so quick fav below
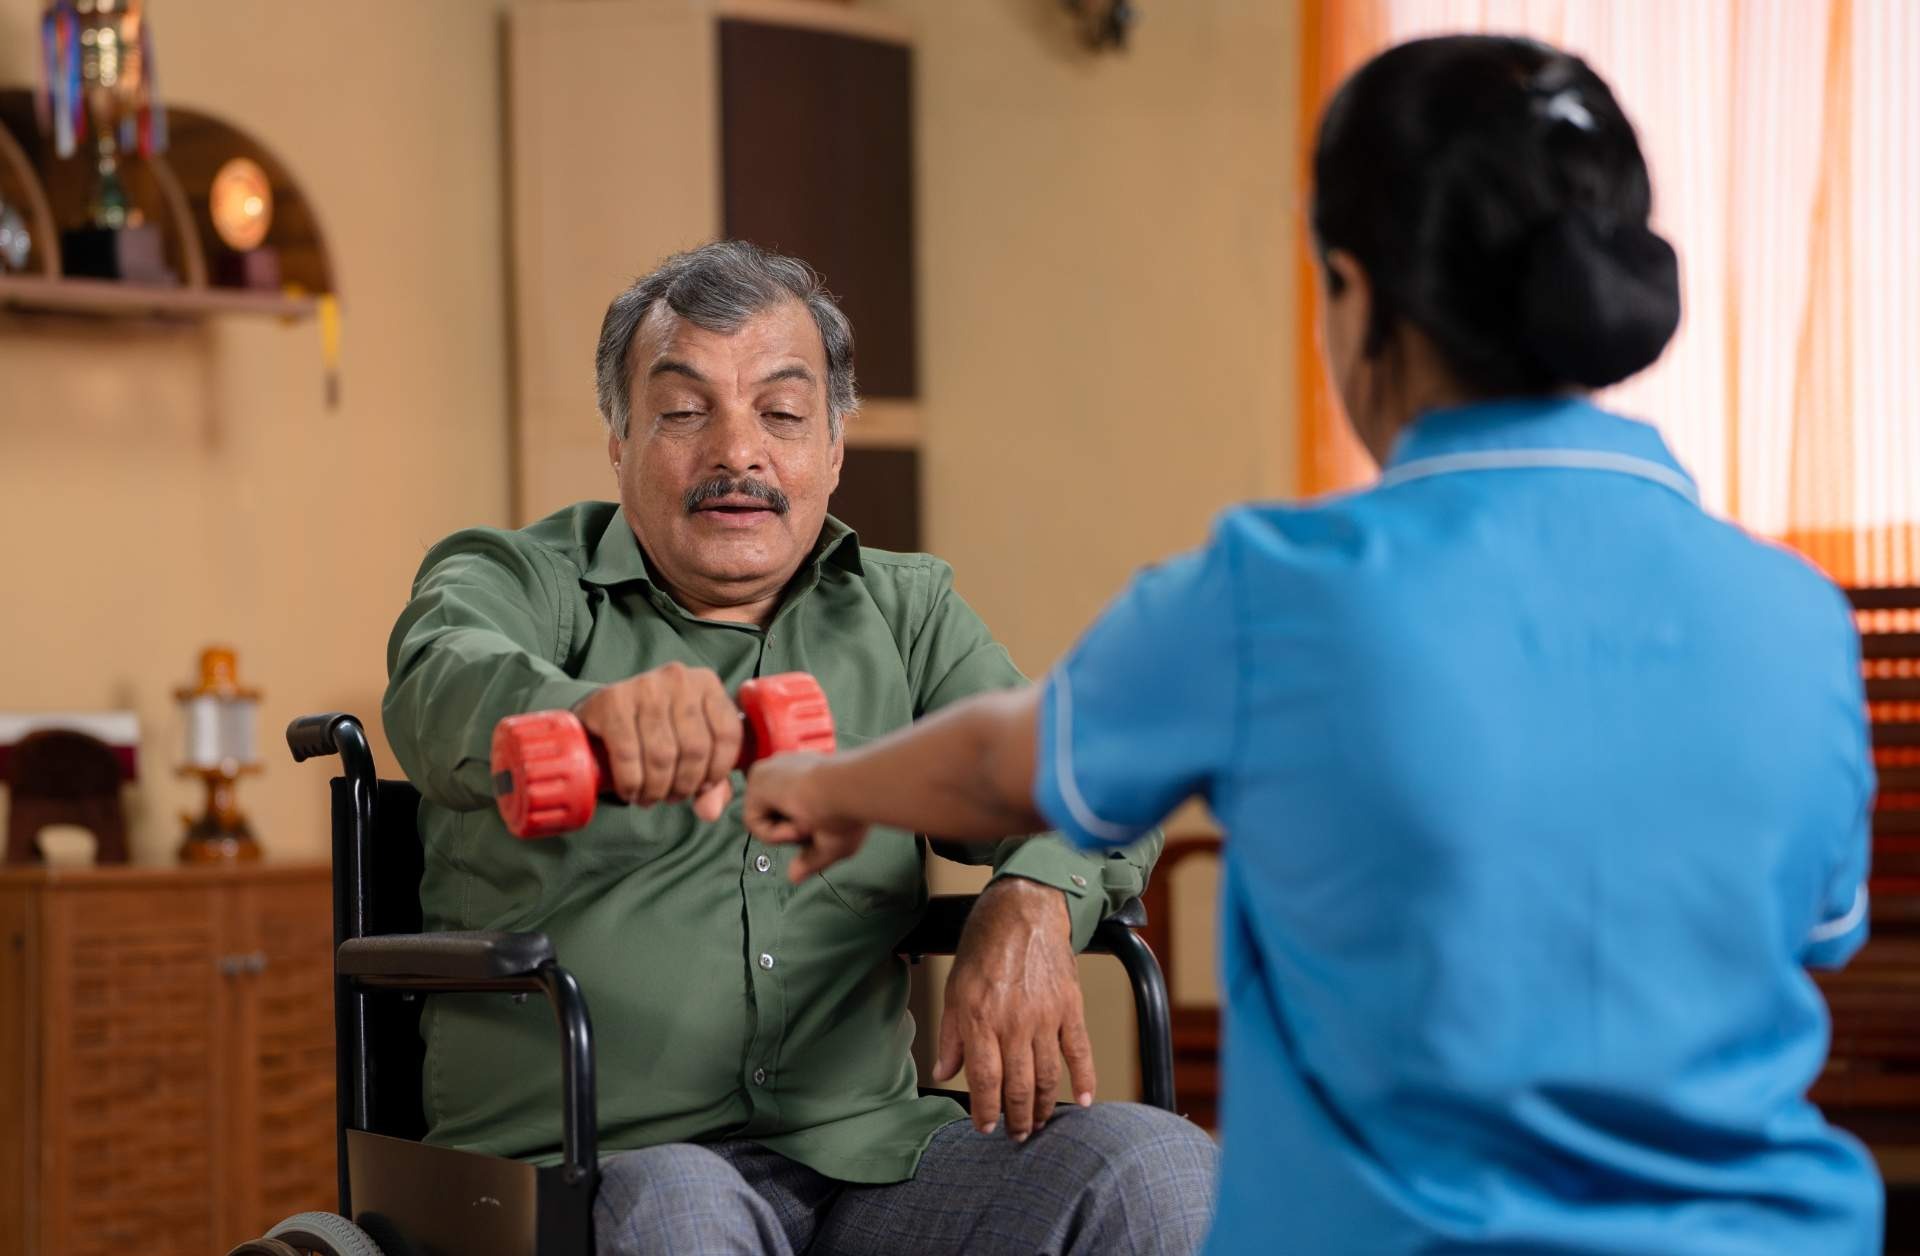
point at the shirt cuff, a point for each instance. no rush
(473, 774)
(561, 693)
(1050, 861)
(1056, 790)
(1833, 942)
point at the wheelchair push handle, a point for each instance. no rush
(549, 772)
(313, 736)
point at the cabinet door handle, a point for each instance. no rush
(251, 962)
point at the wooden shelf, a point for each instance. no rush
(171, 192)
(884, 423)
(112, 298)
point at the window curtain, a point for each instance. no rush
(1784, 141)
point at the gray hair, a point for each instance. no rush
(718, 287)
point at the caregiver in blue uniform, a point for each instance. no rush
(1543, 787)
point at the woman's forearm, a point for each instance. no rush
(965, 773)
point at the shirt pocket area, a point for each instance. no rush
(888, 876)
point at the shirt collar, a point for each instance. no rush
(1530, 424)
(618, 559)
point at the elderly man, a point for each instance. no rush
(756, 1089)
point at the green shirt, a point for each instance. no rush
(726, 1002)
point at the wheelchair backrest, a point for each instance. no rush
(388, 858)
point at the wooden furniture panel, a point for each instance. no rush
(816, 160)
(284, 1059)
(171, 191)
(19, 1062)
(1871, 1084)
(879, 497)
(130, 1013)
(166, 1063)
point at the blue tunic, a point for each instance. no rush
(1542, 789)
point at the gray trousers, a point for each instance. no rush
(1117, 1179)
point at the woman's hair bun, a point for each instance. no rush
(1495, 195)
(1598, 303)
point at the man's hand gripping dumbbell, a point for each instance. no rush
(667, 735)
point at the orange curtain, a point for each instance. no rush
(1335, 37)
(1783, 136)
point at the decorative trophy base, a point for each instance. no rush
(220, 834)
(257, 270)
(132, 254)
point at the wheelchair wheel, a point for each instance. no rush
(311, 1234)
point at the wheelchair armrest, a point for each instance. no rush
(1132, 914)
(938, 932)
(445, 957)
(477, 963)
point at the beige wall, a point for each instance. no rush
(1105, 326)
(1106, 321)
(161, 489)
(1106, 296)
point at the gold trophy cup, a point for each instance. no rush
(99, 91)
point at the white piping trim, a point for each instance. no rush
(1531, 459)
(1083, 815)
(1828, 930)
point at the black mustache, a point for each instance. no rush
(725, 486)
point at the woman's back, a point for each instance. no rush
(1545, 787)
(1541, 786)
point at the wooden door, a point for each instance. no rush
(816, 160)
(19, 1070)
(129, 1040)
(280, 1140)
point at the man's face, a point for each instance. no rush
(728, 462)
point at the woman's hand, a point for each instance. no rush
(786, 802)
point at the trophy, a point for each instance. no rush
(219, 716)
(98, 88)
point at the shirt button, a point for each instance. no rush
(766, 961)
(762, 864)
(759, 1077)
(1078, 880)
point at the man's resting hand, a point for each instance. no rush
(1013, 1008)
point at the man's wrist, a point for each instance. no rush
(1045, 905)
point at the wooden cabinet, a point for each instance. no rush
(166, 1057)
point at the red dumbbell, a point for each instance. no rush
(548, 771)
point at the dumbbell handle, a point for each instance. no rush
(549, 771)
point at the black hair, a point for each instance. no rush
(1495, 195)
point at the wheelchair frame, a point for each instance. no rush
(398, 1188)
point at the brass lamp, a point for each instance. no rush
(220, 723)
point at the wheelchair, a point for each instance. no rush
(400, 1196)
